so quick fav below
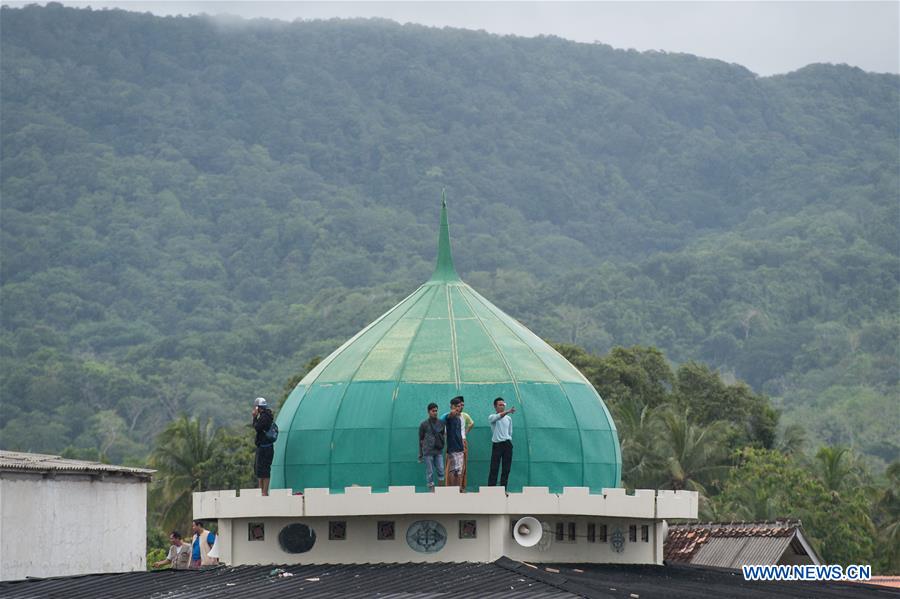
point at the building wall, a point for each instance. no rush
(492, 508)
(71, 524)
(493, 540)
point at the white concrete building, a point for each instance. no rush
(359, 526)
(62, 517)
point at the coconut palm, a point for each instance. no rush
(692, 456)
(888, 510)
(791, 440)
(834, 468)
(181, 450)
(638, 428)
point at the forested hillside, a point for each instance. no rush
(192, 209)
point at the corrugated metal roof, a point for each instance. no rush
(259, 582)
(14, 461)
(734, 552)
(503, 578)
(733, 544)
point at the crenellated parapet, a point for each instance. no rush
(401, 525)
(362, 501)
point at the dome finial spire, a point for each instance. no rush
(444, 271)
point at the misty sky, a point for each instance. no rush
(766, 37)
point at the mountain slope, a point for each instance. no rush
(192, 208)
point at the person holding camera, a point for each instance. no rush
(263, 424)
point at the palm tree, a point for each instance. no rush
(834, 465)
(693, 456)
(638, 428)
(888, 509)
(792, 440)
(181, 450)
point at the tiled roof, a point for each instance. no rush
(503, 578)
(729, 545)
(886, 581)
(14, 461)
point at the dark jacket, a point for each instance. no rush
(261, 422)
(429, 433)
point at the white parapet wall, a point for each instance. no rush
(611, 526)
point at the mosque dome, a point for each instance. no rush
(354, 419)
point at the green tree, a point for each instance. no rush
(767, 484)
(635, 372)
(181, 455)
(638, 426)
(230, 465)
(887, 520)
(694, 457)
(752, 418)
(834, 468)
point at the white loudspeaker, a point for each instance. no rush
(528, 531)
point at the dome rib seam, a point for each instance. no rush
(454, 348)
(337, 412)
(396, 391)
(512, 377)
(556, 378)
(324, 364)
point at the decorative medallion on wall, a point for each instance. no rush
(617, 540)
(426, 536)
(256, 531)
(297, 538)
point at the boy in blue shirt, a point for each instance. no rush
(455, 448)
(201, 543)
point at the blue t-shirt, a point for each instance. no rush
(454, 433)
(195, 551)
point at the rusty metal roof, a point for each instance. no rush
(14, 461)
(733, 544)
(885, 581)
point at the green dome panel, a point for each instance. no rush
(353, 420)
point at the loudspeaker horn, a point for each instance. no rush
(528, 531)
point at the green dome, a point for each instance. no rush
(353, 420)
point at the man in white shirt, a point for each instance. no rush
(501, 438)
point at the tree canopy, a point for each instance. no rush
(194, 209)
